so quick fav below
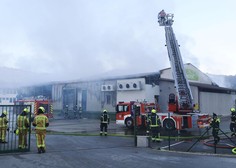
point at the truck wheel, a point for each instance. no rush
(169, 124)
(129, 122)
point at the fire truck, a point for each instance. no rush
(35, 104)
(125, 113)
(181, 113)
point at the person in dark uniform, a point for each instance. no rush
(105, 120)
(154, 125)
(215, 124)
(233, 122)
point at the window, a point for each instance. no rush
(108, 99)
(122, 108)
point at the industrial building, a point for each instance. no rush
(104, 93)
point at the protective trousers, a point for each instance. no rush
(233, 128)
(155, 133)
(215, 132)
(40, 138)
(22, 138)
(103, 126)
(3, 134)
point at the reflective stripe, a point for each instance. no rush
(234, 150)
(154, 121)
(40, 122)
(22, 122)
(104, 118)
(3, 122)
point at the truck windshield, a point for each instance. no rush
(122, 108)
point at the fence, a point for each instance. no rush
(9, 139)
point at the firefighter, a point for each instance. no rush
(148, 114)
(154, 125)
(23, 127)
(40, 123)
(162, 15)
(233, 122)
(3, 127)
(215, 124)
(105, 120)
(75, 109)
(80, 112)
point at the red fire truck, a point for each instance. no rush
(172, 120)
(125, 113)
(35, 104)
(181, 113)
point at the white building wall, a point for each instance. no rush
(167, 87)
(145, 93)
(57, 96)
(193, 74)
(219, 103)
(127, 96)
(151, 91)
(93, 96)
(8, 96)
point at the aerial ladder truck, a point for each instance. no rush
(180, 104)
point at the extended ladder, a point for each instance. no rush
(184, 93)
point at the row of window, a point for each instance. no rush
(7, 99)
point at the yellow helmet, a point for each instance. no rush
(42, 109)
(4, 112)
(153, 111)
(17, 131)
(26, 110)
(232, 109)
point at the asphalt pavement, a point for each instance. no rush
(76, 143)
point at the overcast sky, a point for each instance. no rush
(71, 39)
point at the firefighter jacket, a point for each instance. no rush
(3, 121)
(41, 122)
(22, 122)
(233, 118)
(105, 119)
(153, 120)
(215, 123)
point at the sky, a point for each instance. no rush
(72, 39)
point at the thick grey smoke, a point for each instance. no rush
(69, 40)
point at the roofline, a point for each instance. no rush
(204, 87)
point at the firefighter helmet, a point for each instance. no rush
(17, 131)
(26, 110)
(4, 112)
(232, 109)
(42, 109)
(104, 111)
(153, 111)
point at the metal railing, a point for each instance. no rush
(9, 139)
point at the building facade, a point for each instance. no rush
(8, 96)
(96, 95)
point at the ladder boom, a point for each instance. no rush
(184, 94)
